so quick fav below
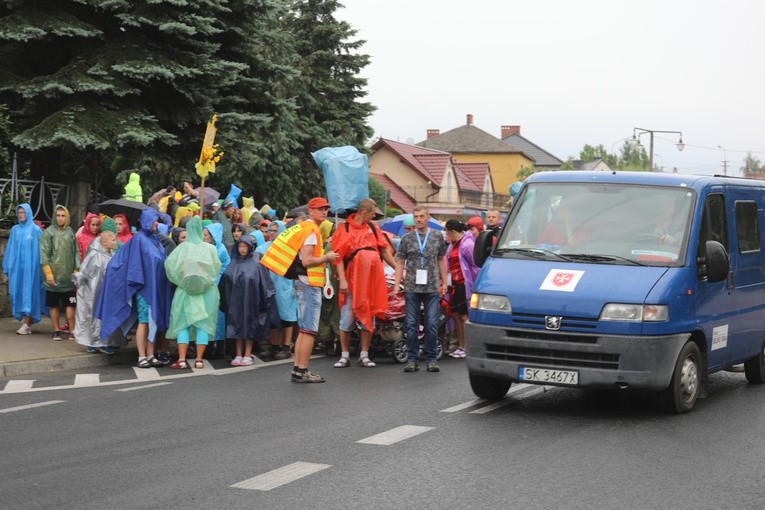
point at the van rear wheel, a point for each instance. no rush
(488, 387)
(754, 368)
(683, 388)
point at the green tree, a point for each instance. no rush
(129, 86)
(5, 135)
(118, 78)
(329, 88)
(377, 193)
(752, 166)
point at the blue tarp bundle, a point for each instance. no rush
(346, 176)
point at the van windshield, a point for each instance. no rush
(599, 223)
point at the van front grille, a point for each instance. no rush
(552, 357)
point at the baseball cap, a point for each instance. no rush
(318, 203)
(226, 204)
(476, 222)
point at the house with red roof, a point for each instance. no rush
(418, 175)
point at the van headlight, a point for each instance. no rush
(634, 313)
(490, 303)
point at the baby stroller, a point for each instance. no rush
(389, 335)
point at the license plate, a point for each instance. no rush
(545, 375)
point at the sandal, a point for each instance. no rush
(366, 362)
(181, 363)
(143, 363)
(343, 362)
(199, 364)
(246, 361)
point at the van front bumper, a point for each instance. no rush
(602, 361)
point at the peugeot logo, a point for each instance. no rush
(552, 322)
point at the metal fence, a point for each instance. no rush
(42, 196)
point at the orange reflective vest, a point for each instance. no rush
(286, 246)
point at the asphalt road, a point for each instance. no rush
(373, 438)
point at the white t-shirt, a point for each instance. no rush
(309, 241)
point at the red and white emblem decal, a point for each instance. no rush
(561, 280)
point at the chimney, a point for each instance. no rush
(510, 130)
(469, 119)
(431, 133)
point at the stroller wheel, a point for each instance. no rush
(399, 351)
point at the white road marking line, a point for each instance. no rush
(86, 379)
(18, 385)
(516, 396)
(395, 435)
(152, 374)
(144, 386)
(146, 374)
(460, 407)
(31, 406)
(281, 476)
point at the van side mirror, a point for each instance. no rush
(482, 248)
(717, 265)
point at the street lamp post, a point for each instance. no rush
(635, 141)
(725, 159)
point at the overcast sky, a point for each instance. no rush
(572, 72)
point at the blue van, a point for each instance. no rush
(624, 280)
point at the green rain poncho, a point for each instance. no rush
(193, 266)
(58, 254)
(133, 189)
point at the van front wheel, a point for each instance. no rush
(683, 388)
(754, 368)
(488, 387)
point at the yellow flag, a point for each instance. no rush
(207, 157)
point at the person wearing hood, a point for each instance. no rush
(286, 303)
(21, 265)
(214, 235)
(246, 290)
(136, 288)
(58, 260)
(224, 216)
(89, 231)
(133, 190)
(88, 280)
(123, 228)
(193, 267)
(178, 235)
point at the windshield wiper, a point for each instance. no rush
(532, 252)
(586, 257)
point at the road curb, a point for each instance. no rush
(77, 362)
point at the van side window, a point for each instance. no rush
(747, 228)
(713, 227)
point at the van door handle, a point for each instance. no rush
(730, 279)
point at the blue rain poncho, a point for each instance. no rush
(216, 231)
(21, 264)
(138, 267)
(286, 300)
(194, 266)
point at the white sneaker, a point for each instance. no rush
(24, 330)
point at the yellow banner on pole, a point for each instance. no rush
(209, 154)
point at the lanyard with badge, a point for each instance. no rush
(421, 277)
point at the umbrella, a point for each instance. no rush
(297, 211)
(211, 195)
(119, 205)
(395, 225)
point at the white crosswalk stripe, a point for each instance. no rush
(395, 435)
(86, 379)
(19, 385)
(281, 476)
(460, 407)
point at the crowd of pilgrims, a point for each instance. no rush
(188, 264)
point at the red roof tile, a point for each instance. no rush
(475, 172)
(397, 195)
(429, 163)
